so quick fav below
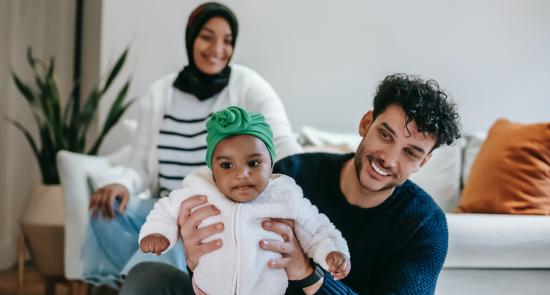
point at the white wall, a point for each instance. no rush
(325, 58)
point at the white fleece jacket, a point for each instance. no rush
(246, 89)
(240, 266)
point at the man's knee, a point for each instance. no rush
(156, 278)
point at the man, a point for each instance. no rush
(396, 233)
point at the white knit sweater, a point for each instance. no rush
(240, 266)
(246, 89)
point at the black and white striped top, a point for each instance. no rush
(181, 144)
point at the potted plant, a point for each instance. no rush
(60, 127)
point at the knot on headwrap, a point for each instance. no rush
(235, 121)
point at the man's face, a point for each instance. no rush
(390, 150)
(241, 166)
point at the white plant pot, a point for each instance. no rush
(43, 225)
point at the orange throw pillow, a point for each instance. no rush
(511, 173)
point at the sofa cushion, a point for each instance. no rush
(511, 173)
(440, 176)
(498, 241)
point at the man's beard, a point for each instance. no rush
(358, 162)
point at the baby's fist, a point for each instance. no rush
(339, 264)
(154, 244)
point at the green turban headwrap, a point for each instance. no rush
(235, 121)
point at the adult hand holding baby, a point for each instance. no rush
(191, 235)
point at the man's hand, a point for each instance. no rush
(191, 235)
(154, 244)
(339, 264)
(293, 260)
(103, 200)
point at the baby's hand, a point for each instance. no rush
(154, 244)
(339, 265)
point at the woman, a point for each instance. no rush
(171, 139)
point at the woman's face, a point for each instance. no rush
(212, 49)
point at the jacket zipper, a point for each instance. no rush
(236, 243)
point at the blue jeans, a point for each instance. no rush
(112, 249)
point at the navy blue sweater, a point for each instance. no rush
(397, 247)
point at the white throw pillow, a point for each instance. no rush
(440, 176)
(73, 173)
(80, 175)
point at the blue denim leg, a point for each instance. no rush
(111, 243)
(175, 257)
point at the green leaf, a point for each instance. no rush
(116, 111)
(115, 70)
(69, 111)
(24, 90)
(31, 99)
(48, 101)
(51, 68)
(72, 118)
(47, 159)
(88, 111)
(27, 135)
(119, 98)
(30, 58)
(54, 106)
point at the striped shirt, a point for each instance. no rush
(181, 146)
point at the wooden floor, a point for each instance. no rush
(34, 284)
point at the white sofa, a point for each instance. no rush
(488, 253)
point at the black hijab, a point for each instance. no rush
(191, 79)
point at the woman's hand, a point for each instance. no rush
(293, 260)
(103, 200)
(191, 235)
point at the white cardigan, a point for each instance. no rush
(240, 266)
(246, 89)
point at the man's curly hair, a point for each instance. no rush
(423, 102)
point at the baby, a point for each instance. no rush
(239, 182)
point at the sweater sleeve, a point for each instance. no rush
(330, 286)
(162, 219)
(413, 272)
(135, 177)
(416, 269)
(260, 97)
(317, 235)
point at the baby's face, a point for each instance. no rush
(241, 166)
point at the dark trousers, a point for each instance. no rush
(156, 278)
